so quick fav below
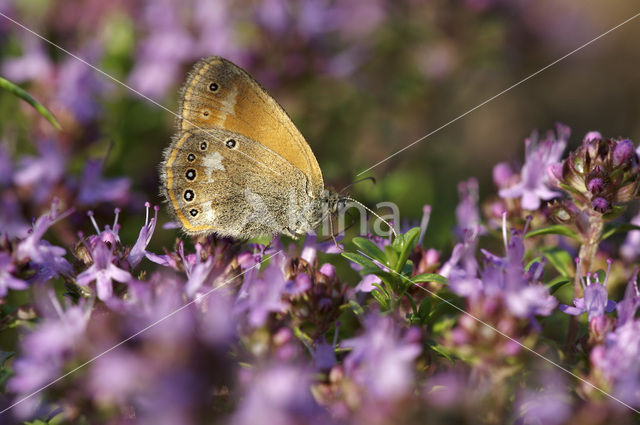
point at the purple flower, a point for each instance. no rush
(94, 189)
(501, 277)
(260, 296)
(524, 295)
(139, 249)
(533, 186)
(381, 359)
(312, 246)
(103, 271)
(198, 272)
(7, 280)
(46, 257)
(623, 152)
(595, 301)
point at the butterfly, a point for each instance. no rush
(237, 165)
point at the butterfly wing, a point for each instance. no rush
(219, 94)
(220, 181)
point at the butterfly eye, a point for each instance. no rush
(205, 113)
(231, 143)
(203, 146)
(188, 195)
(190, 174)
(193, 212)
(191, 157)
(213, 87)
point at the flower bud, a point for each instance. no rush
(623, 152)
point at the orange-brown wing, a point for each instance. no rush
(219, 94)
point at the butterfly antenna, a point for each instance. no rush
(358, 181)
(346, 198)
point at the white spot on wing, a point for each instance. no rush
(208, 214)
(213, 162)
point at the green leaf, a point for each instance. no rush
(557, 283)
(429, 277)
(410, 241)
(560, 259)
(613, 228)
(392, 255)
(424, 308)
(370, 249)
(443, 351)
(361, 260)
(380, 298)
(556, 229)
(16, 90)
(356, 308)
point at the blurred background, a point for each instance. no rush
(361, 79)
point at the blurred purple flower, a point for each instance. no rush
(79, 85)
(467, 212)
(628, 307)
(274, 14)
(6, 165)
(42, 172)
(444, 390)
(280, 393)
(34, 64)
(549, 404)
(12, 223)
(44, 350)
(533, 186)
(618, 361)
(502, 175)
(94, 189)
(7, 280)
(595, 301)
(164, 49)
(381, 359)
(630, 249)
(103, 271)
(462, 268)
(118, 377)
(261, 295)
